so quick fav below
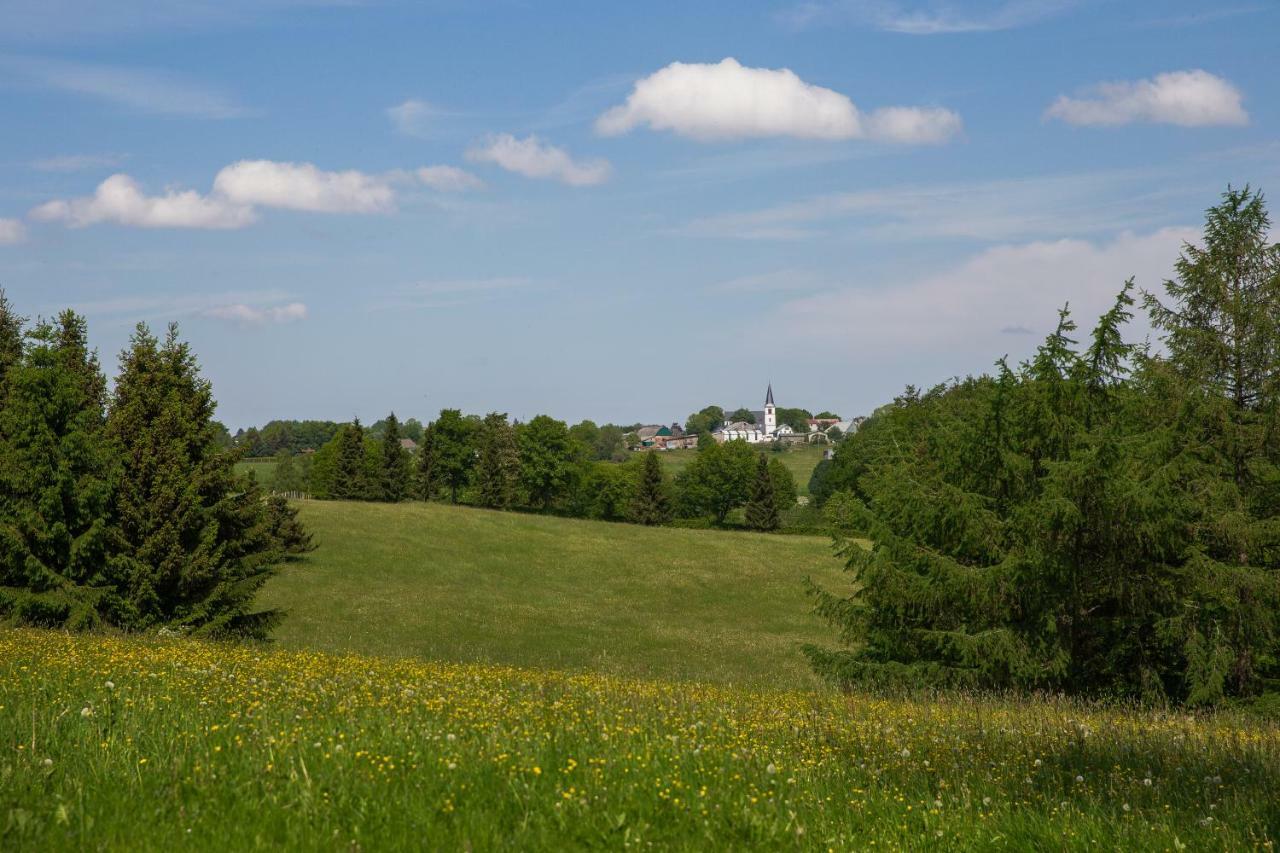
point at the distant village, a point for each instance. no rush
(763, 428)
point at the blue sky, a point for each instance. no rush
(621, 213)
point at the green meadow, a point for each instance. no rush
(462, 584)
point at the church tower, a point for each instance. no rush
(770, 412)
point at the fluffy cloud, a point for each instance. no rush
(238, 191)
(301, 186)
(119, 199)
(969, 312)
(533, 158)
(1188, 98)
(449, 179)
(12, 231)
(248, 315)
(728, 100)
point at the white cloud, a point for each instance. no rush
(412, 117)
(248, 315)
(533, 158)
(12, 231)
(448, 178)
(120, 200)
(301, 186)
(1193, 98)
(238, 191)
(969, 312)
(141, 89)
(930, 18)
(77, 162)
(728, 100)
(913, 125)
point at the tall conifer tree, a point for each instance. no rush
(56, 477)
(652, 502)
(197, 542)
(762, 508)
(350, 475)
(395, 470)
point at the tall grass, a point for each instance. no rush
(130, 744)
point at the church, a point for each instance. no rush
(765, 429)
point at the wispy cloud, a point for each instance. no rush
(176, 305)
(534, 158)
(63, 20)
(926, 18)
(448, 179)
(449, 293)
(250, 315)
(78, 162)
(413, 117)
(1008, 290)
(12, 232)
(145, 90)
(995, 210)
(776, 281)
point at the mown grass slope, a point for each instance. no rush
(464, 584)
(135, 745)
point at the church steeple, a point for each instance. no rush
(770, 412)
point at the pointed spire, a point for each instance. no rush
(768, 395)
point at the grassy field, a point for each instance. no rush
(130, 744)
(465, 584)
(799, 460)
(264, 469)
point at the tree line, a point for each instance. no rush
(123, 510)
(542, 465)
(1103, 518)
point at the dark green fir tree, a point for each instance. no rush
(762, 509)
(197, 542)
(56, 478)
(395, 470)
(350, 473)
(652, 502)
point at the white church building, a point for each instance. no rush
(765, 429)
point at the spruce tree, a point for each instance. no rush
(762, 508)
(56, 477)
(350, 475)
(394, 480)
(1050, 527)
(497, 469)
(652, 502)
(426, 475)
(197, 543)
